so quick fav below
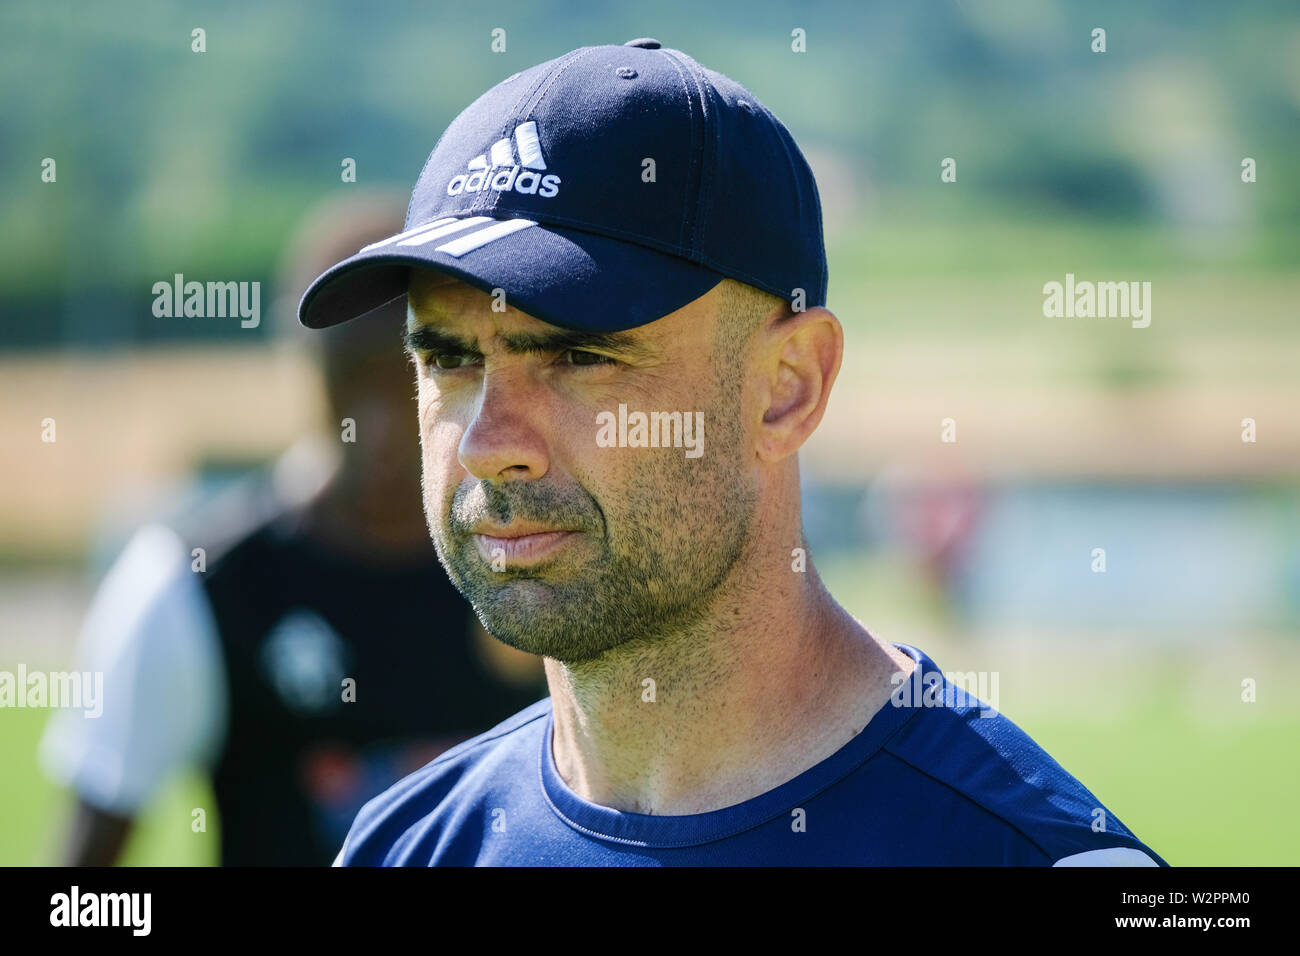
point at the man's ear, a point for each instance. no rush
(800, 356)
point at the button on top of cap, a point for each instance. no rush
(644, 42)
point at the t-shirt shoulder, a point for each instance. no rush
(385, 825)
(984, 757)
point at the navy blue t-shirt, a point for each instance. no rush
(939, 780)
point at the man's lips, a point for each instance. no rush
(519, 545)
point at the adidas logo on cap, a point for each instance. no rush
(504, 173)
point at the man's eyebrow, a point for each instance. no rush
(427, 338)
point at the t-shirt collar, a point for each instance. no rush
(646, 830)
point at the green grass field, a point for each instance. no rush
(1197, 796)
(34, 809)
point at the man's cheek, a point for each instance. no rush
(438, 471)
(443, 472)
(428, 404)
(437, 427)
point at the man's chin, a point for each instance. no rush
(515, 602)
(527, 594)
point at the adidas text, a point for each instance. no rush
(503, 180)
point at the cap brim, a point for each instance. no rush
(566, 277)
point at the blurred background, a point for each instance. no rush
(1072, 433)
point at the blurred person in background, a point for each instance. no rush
(261, 658)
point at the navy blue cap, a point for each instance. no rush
(601, 190)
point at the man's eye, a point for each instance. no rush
(448, 360)
(582, 358)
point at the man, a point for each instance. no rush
(265, 664)
(616, 283)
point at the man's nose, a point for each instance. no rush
(503, 441)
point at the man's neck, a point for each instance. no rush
(774, 681)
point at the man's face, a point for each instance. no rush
(567, 548)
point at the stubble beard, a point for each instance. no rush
(647, 565)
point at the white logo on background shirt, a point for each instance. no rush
(304, 659)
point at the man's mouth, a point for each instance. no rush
(519, 545)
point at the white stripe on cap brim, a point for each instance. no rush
(447, 229)
(415, 231)
(482, 230)
(476, 240)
